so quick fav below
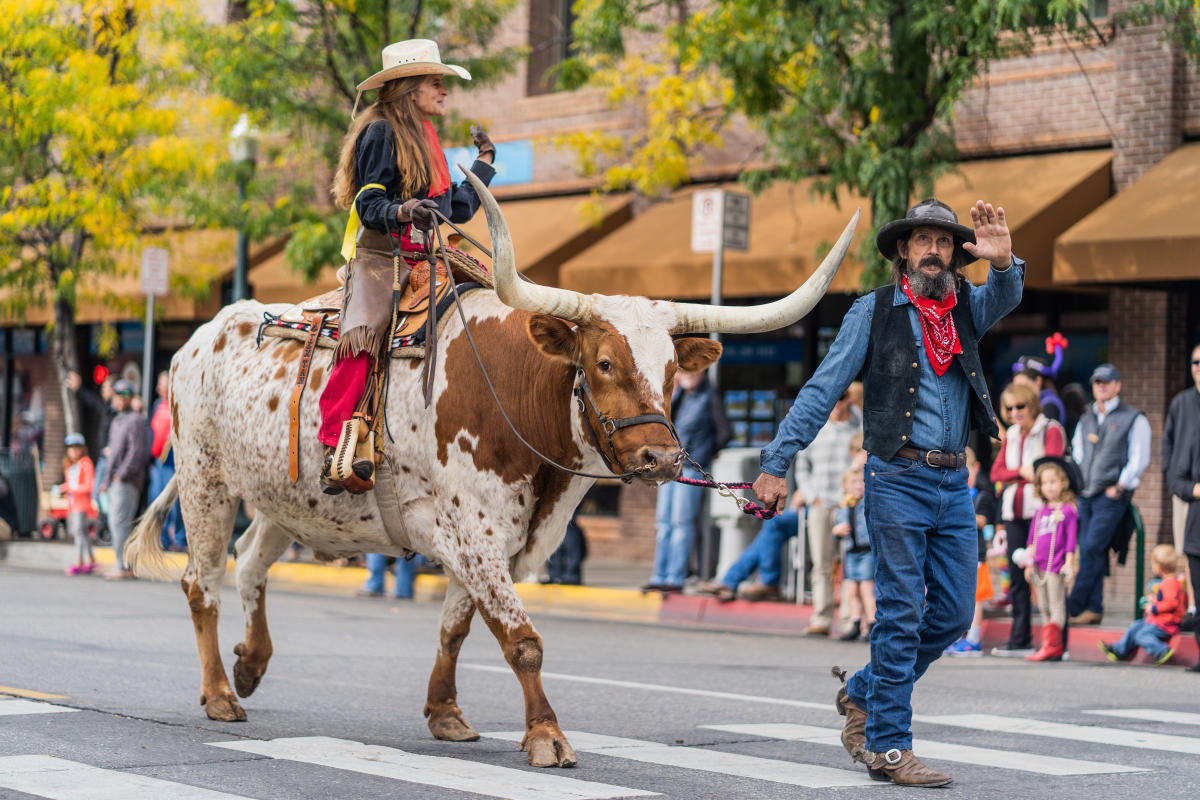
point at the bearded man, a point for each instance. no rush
(916, 342)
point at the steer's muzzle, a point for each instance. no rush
(658, 462)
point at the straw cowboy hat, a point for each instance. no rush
(411, 57)
(928, 213)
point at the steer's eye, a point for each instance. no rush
(604, 366)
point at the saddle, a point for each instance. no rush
(408, 337)
(316, 322)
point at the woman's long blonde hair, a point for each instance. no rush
(413, 157)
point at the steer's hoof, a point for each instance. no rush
(451, 727)
(223, 709)
(548, 747)
(245, 680)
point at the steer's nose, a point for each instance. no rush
(659, 463)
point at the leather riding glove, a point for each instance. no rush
(480, 139)
(418, 212)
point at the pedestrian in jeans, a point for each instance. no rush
(1112, 447)
(916, 342)
(703, 429)
(128, 453)
(1164, 611)
(1181, 460)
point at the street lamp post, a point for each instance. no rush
(243, 149)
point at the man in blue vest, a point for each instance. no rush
(1112, 447)
(916, 342)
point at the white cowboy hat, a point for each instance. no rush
(411, 57)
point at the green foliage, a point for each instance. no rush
(294, 65)
(858, 93)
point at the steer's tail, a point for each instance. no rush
(143, 550)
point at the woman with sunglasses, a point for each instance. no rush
(1030, 435)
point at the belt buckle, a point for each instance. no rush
(929, 453)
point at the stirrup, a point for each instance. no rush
(351, 465)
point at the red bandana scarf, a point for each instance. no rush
(439, 181)
(937, 328)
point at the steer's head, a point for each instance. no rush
(628, 349)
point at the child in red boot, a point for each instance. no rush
(1051, 551)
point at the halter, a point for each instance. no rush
(583, 395)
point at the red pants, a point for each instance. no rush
(345, 388)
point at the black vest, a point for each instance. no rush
(892, 374)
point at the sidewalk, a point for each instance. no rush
(611, 593)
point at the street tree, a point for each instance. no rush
(858, 94)
(100, 136)
(294, 65)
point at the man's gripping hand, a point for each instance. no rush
(772, 491)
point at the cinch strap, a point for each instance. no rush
(350, 240)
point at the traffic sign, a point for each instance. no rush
(720, 216)
(154, 271)
(736, 226)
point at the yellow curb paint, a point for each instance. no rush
(32, 695)
(601, 603)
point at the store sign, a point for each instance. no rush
(154, 271)
(721, 216)
(514, 162)
(779, 351)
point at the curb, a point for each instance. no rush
(610, 604)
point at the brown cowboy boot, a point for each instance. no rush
(854, 731)
(903, 768)
(344, 468)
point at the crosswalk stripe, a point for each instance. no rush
(965, 754)
(16, 707)
(707, 760)
(448, 773)
(60, 779)
(1077, 733)
(1154, 714)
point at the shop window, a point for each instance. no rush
(1098, 9)
(550, 42)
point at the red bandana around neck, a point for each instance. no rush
(937, 327)
(439, 181)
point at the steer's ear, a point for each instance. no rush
(695, 354)
(554, 337)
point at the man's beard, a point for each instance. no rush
(936, 287)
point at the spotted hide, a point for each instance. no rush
(471, 496)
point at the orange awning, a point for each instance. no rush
(1042, 196)
(1148, 232)
(545, 231)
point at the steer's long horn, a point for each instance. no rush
(696, 318)
(510, 287)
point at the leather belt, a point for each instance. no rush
(934, 458)
(310, 344)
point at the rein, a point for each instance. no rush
(586, 402)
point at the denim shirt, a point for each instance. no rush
(692, 417)
(942, 420)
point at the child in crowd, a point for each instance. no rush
(858, 562)
(1051, 561)
(1164, 611)
(80, 475)
(984, 500)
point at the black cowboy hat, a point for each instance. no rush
(1074, 476)
(928, 213)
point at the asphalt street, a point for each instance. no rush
(99, 688)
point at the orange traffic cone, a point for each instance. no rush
(1052, 644)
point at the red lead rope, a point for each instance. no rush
(745, 505)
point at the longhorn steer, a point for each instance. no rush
(471, 497)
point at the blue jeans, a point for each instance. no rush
(922, 528)
(565, 564)
(765, 552)
(675, 521)
(406, 574)
(1150, 638)
(173, 532)
(1098, 518)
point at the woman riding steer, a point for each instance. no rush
(391, 175)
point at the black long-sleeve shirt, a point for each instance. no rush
(375, 162)
(1181, 444)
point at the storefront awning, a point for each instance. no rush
(1148, 232)
(202, 255)
(545, 231)
(1042, 196)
